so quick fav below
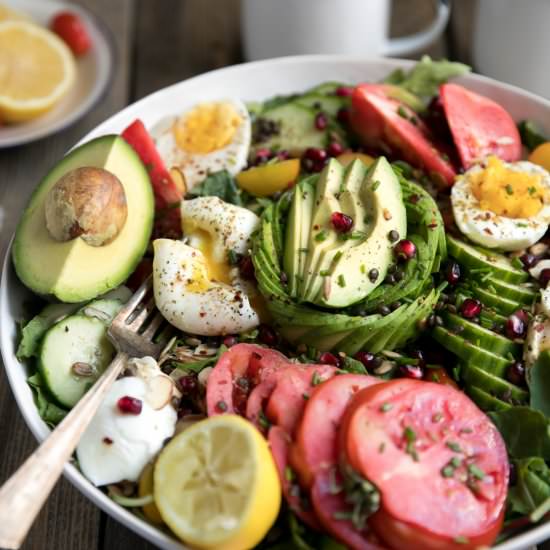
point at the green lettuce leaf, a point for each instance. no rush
(525, 431)
(532, 488)
(219, 184)
(426, 76)
(51, 413)
(539, 383)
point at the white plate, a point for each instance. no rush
(251, 81)
(93, 74)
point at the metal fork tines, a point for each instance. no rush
(139, 329)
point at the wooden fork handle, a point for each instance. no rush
(24, 493)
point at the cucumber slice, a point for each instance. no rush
(469, 352)
(517, 293)
(476, 376)
(498, 303)
(329, 104)
(297, 129)
(482, 337)
(477, 258)
(76, 339)
(486, 401)
(104, 309)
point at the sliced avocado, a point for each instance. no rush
(319, 234)
(329, 104)
(297, 234)
(75, 271)
(482, 337)
(379, 198)
(476, 376)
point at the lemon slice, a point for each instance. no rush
(216, 485)
(36, 70)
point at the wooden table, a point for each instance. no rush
(158, 42)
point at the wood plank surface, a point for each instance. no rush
(158, 42)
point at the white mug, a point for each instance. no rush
(511, 42)
(274, 28)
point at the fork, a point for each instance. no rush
(24, 493)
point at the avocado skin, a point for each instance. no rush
(71, 271)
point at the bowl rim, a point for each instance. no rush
(8, 278)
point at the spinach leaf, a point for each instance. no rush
(525, 431)
(539, 383)
(197, 366)
(532, 488)
(531, 135)
(426, 76)
(219, 184)
(352, 365)
(51, 413)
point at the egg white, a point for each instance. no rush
(491, 230)
(195, 167)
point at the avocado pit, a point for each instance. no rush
(87, 202)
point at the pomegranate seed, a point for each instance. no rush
(366, 358)
(267, 335)
(246, 268)
(328, 358)
(341, 222)
(129, 405)
(343, 91)
(453, 273)
(229, 341)
(516, 325)
(529, 260)
(544, 277)
(516, 373)
(343, 115)
(188, 384)
(470, 308)
(318, 165)
(411, 371)
(321, 121)
(405, 250)
(335, 149)
(262, 155)
(283, 154)
(315, 154)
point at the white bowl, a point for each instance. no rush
(251, 81)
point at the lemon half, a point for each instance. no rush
(36, 70)
(216, 484)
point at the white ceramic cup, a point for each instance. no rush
(275, 28)
(511, 42)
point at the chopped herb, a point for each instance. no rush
(324, 272)
(316, 379)
(410, 437)
(448, 471)
(461, 540)
(456, 461)
(509, 189)
(341, 280)
(363, 268)
(289, 474)
(337, 256)
(522, 224)
(321, 236)
(381, 447)
(402, 112)
(342, 515)
(305, 396)
(454, 446)
(476, 472)
(437, 417)
(385, 407)
(221, 406)
(532, 190)
(263, 421)
(375, 185)
(466, 431)
(232, 257)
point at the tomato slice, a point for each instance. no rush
(292, 391)
(315, 444)
(439, 463)
(377, 118)
(328, 502)
(236, 373)
(479, 126)
(279, 442)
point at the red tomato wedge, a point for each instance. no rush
(377, 118)
(291, 393)
(279, 442)
(479, 126)
(328, 503)
(166, 192)
(439, 463)
(314, 449)
(236, 373)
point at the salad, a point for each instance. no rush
(354, 282)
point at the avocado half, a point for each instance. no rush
(74, 271)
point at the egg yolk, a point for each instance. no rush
(207, 128)
(508, 192)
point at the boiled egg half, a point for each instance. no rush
(207, 138)
(196, 289)
(502, 205)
